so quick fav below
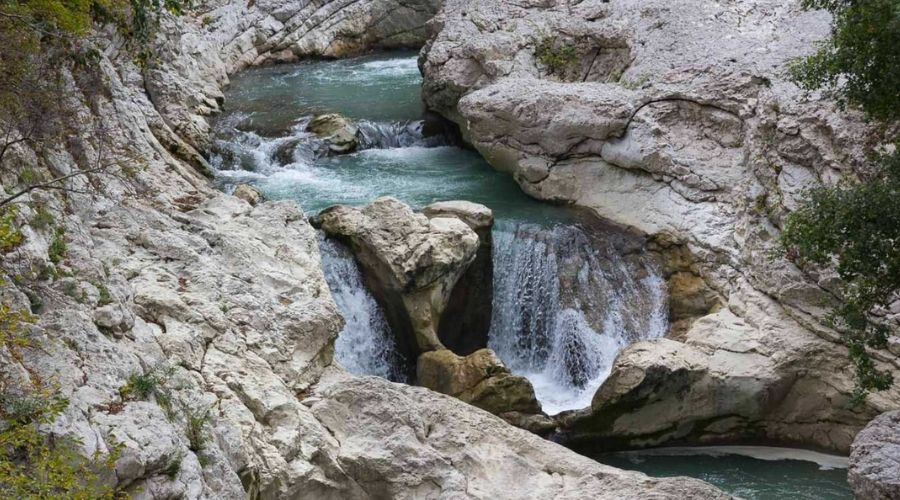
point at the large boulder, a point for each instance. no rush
(467, 318)
(875, 459)
(337, 131)
(410, 262)
(420, 444)
(679, 120)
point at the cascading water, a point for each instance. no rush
(366, 344)
(563, 309)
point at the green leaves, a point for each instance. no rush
(855, 227)
(861, 62)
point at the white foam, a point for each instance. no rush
(769, 453)
(553, 344)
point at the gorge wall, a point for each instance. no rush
(224, 303)
(678, 120)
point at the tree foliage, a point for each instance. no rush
(861, 60)
(34, 465)
(38, 39)
(855, 226)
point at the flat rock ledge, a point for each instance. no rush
(875, 459)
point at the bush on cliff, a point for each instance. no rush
(856, 225)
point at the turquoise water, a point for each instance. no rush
(743, 476)
(384, 87)
(265, 114)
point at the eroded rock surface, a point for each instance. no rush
(875, 459)
(225, 302)
(411, 263)
(679, 120)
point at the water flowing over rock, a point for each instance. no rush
(565, 305)
(366, 345)
(874, 465)
(677, 120)
(411, 263)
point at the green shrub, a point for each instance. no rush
(173, 467)
(556, 56)
(856, 227)
(196, 421)
(104, 297)
(860, 63)
(42, 217)
(10, 235)
(32, 464)
(140, 386)
(57, 249)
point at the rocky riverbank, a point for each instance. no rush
(678, 120)
(219, 309)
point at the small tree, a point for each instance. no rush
(39, 37)
(856, 225)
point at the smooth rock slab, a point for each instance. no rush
(420, 444)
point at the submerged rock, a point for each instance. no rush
(875, 459)
(336, 130)
(411, 263)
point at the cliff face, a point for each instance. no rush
(224, 306)
(677, 119)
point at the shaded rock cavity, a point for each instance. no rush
(466, 321)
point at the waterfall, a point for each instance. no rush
(366, 345)
(564, 307)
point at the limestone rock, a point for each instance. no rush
(479, 378)
(678, 120)
(228, 300)
(411, 263)
(336, 130)
(875, 459)
(476, 216)
(438, 447)
(248, 193)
